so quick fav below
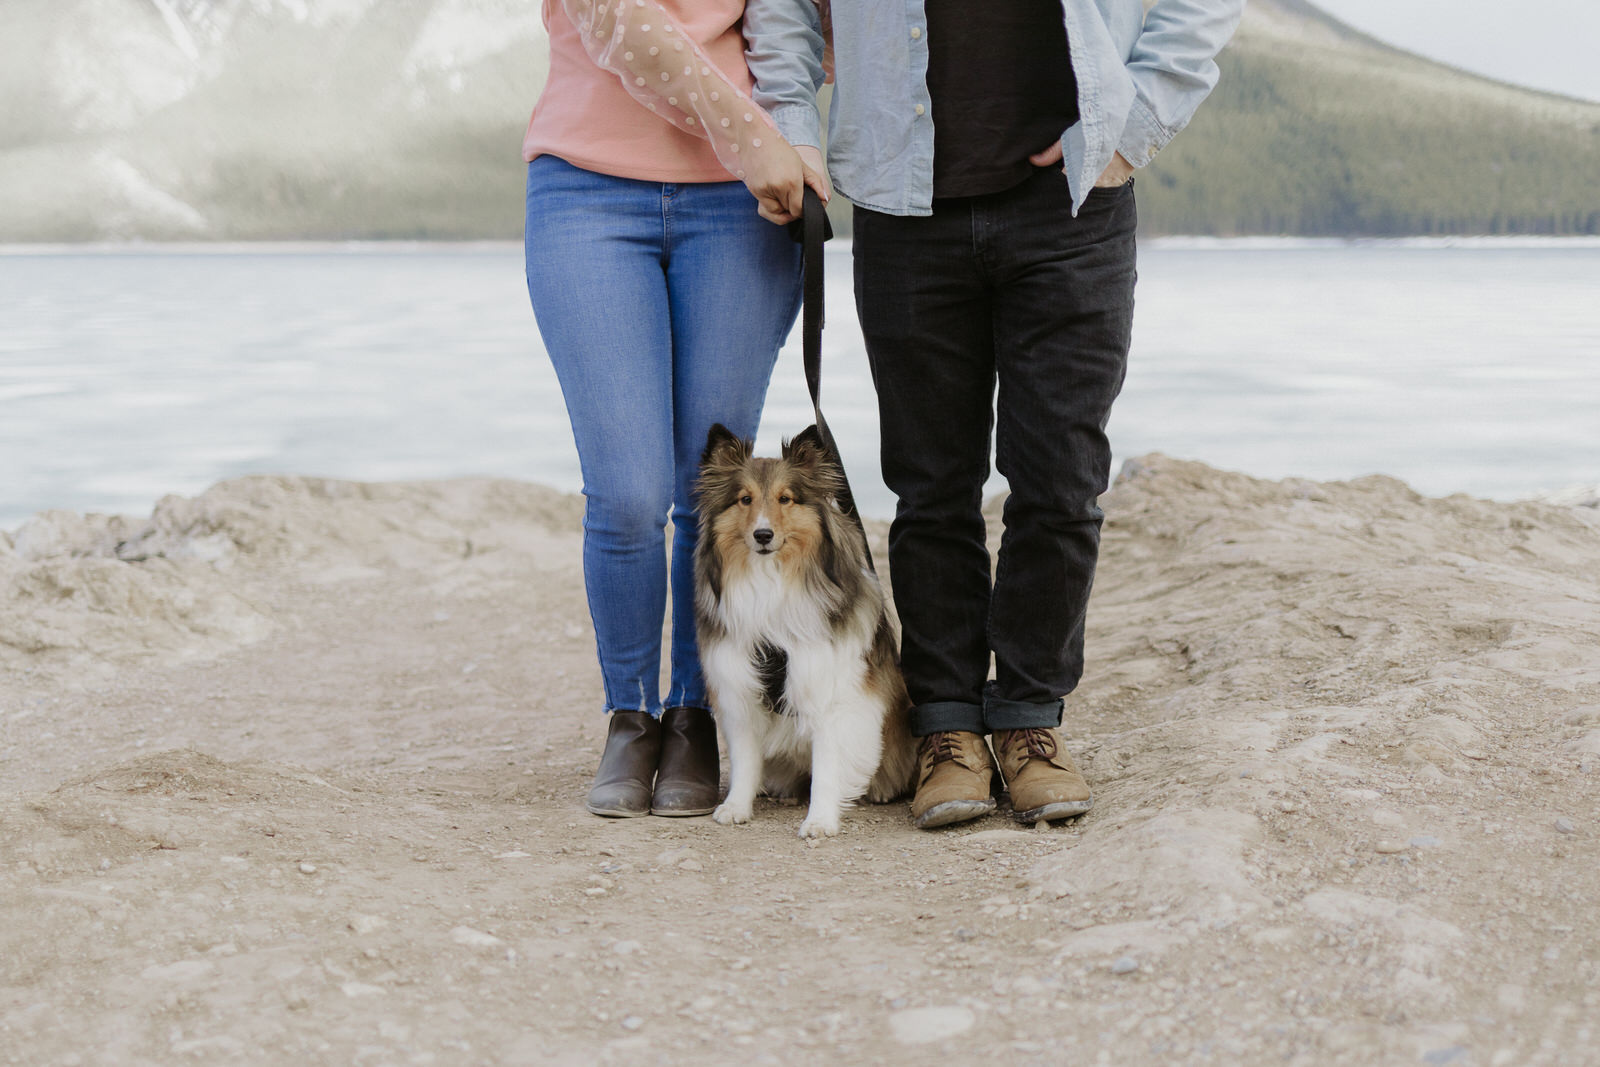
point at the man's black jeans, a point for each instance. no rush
(1006, 288)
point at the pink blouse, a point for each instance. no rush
(650, 89)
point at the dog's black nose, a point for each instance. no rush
(763, 536)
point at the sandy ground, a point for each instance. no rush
(293, 772)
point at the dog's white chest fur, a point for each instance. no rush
(761, 606)
(831, 723)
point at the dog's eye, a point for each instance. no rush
(747, 500)
(786, 499)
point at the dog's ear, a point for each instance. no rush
(807, 449)
(724, 448)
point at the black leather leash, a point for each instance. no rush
(816, 230)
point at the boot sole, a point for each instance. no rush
(617, 813)
(952, 811)
(678, 813)
(1065, 809)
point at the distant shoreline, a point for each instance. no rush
(467, 247)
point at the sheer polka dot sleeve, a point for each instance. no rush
(667, 72)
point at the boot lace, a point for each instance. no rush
(1037, 742)
(941, 748)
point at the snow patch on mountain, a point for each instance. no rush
(136, 200)
(459, 33)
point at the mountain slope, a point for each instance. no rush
(266, 118)
(277, 119)
(1317, 129)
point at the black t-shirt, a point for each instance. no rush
(1001, 83)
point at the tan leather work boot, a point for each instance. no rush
(1043, 781)
(955, 777)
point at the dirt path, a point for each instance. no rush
(298, 778)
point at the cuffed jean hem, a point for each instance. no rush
(942, 715)
(1001, 714)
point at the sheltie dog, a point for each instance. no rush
(795, 637)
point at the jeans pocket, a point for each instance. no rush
(1125, 187)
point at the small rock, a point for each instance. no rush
(1389, 847)
(994, 837)
(182, 971)
(594, 891)
(1124, 965)
(366, 924)
(632, 1022)
(1564, 825)
(922, 1026)
(625, 948)
(1424, 841)
(361, 989)
(691, 865)
(308, 868)
(466, 935)
(514, 854)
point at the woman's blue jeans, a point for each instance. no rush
(663, 307)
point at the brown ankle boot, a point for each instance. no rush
(955, 777)
(690, 771)
(627, 767)
(1043, 781)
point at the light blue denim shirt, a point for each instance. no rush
(1140, 78)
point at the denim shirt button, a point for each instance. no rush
(921, 110)
(916, 33)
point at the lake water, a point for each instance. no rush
(128, 373)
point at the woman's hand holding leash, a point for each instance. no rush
(777, 179)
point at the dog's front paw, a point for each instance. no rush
(820, 826)
(729, 813)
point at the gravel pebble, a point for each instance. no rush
(1124, 965)
(366, 924)
(361, 989)
(1564, 825)
(921, 1026)
(466, 935)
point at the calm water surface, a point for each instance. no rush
(130, 373)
